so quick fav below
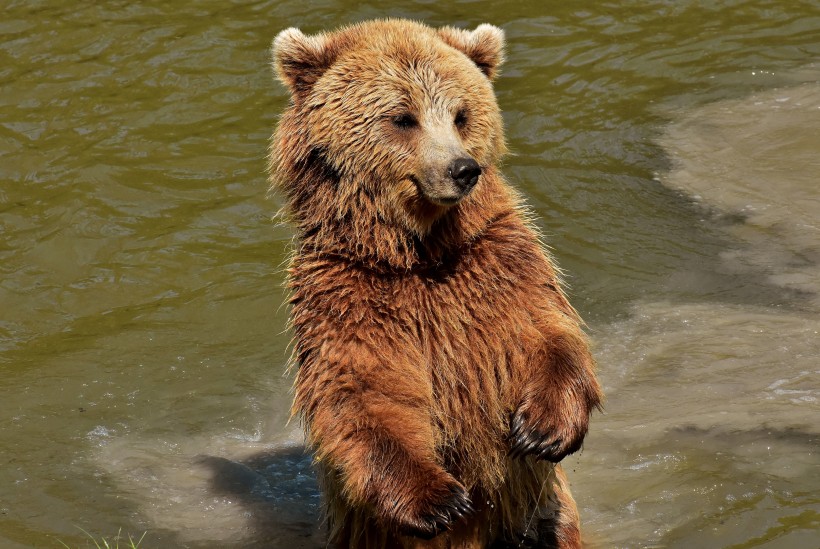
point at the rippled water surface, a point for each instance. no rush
(670, 150)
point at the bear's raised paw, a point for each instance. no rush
(437, 512)
(543, 437)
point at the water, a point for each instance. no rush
(670, 150)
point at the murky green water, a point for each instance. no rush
(670, 148)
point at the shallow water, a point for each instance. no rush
(670, 150)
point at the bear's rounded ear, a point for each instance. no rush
(299, 60)
(484, 45)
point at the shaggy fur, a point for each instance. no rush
(441, 372)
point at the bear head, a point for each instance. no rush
(401, 117)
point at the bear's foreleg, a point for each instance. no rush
(559, 392)
(369, 420)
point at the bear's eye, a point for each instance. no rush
(405, 121)
(461, 119)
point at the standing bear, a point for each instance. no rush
(441, 372)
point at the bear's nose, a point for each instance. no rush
(465, 172)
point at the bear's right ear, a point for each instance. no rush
(484, 45)
(299, 60)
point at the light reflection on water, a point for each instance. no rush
(142, 339)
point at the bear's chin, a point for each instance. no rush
(445, 202)
(421, 214)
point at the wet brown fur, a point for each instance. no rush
(422, 332)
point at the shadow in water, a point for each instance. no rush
(279, 494)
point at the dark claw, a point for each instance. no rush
(442, 517)
(452, 512)
(526, 441)
(461, 504)
(466, 509)
(517, 424)
(548, 452)
(527, 448)
(533, 444)
(515, 448)
(555, 453)
(519, 441)
(457, 512)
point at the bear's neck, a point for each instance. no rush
(359, 233)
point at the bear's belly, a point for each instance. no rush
(473, 349)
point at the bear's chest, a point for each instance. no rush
(469, 322)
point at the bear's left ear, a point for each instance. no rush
(299, 60)
(484, 45)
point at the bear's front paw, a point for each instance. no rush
(545, 434)
(438, 506)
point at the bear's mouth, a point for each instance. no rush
(441, 199)
(446, 201)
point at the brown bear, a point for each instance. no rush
(441, 371)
